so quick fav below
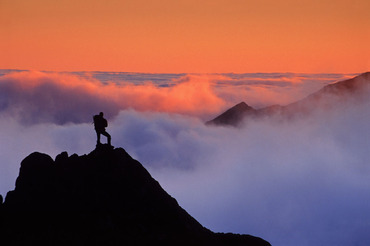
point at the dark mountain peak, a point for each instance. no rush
(242, 106)
(233, 116)
(103, 198)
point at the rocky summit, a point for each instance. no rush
(103, 198)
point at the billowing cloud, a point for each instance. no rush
(36, 97)
(301, 182)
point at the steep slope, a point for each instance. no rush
(332, 96)
(103, 198)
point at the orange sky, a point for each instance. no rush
(186, 35)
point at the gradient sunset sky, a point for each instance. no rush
(191, 36)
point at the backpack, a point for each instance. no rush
(100, 122)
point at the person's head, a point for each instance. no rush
(101, 114)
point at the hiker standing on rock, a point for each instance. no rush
(100, 124)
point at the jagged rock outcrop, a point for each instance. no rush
(330, 97)
(103, 198)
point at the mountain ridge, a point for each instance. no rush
(103, 198)
(329, 97)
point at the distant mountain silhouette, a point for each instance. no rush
(332, 96)
(103, 198)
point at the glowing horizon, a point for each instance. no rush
(186, 36)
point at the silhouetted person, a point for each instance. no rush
(100, 124)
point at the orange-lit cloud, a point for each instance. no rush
(193, 96)
(36, 97)
(62, 98)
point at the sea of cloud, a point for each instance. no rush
(303, 182)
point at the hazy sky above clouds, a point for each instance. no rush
(209, 36)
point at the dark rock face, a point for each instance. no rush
(103, 198)
(331, 97)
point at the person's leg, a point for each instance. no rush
(108, 136)
(98, 137)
